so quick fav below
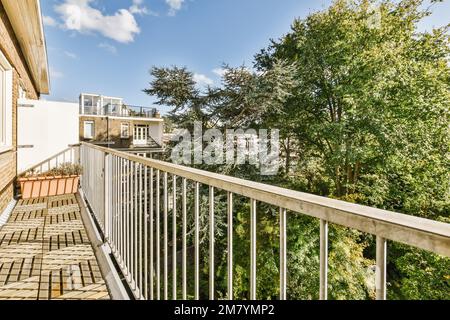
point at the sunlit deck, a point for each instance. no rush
(45, 253)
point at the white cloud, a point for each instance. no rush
(138, 8)
(174, 5)
(55, 74)
(202, 80)
(71, 55)
(219, 71)
(108, 47)
(49, 21)
(80, 16)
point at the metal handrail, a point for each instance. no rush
(422, 233)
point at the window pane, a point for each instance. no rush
(124, 132)
(88, 129)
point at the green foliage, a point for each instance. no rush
(424, 275)
(362, 103)
(64, 169)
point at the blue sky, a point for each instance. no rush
(108, 46)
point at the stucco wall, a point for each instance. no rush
(50, 127)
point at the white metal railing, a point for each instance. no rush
(130, 195)
(68, 155)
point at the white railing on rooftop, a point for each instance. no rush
(133, 203)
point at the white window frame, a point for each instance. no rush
(6, 104)
(84, 129)
(122, 126)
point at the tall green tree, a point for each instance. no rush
(361, 98)
(371, 90)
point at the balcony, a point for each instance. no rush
(148, 213)
(95, 104)
(149, 209)
(121, 111)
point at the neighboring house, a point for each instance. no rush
(23, 74)
(108, 121)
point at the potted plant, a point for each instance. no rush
(60, 180)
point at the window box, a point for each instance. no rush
(58, 181)
(48, 186)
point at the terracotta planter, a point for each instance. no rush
(48, 186)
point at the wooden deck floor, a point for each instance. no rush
(45, 253)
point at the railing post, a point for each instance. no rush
(166, 238)
(106, 195)
(252, 249)
(184, 250)
(174, 237)
(230, 245)
(380, 272)
(196, 242)
(211, 243)
(152, 266)
(283, 254)
(323, 290)
(157, 236)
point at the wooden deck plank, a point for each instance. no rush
(45, 253)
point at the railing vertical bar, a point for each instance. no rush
(158, 238)
(132, 210)
(132, 223)
(145, 233)
(323, 294)
(105, 157)
(196, 242)
(110, 197)
(174, 237)
(211, 243)
(283, 256)
(112, 203)
(380, 272)
(120, 213)
(252, 249)
(152, 266)
(166, 282)
(116, 203)
(136, 194)
(140, 234)
(184, 228)
(230, 245)
(127, 219)
(118, 206)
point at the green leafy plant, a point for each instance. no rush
(65, 169)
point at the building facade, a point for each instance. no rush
(23, 74)
(109, 121)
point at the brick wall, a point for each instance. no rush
(103, 124)
(101, 128)
(10, 47)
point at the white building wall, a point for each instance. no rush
(48, 126)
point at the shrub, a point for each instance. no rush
(65, 169)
